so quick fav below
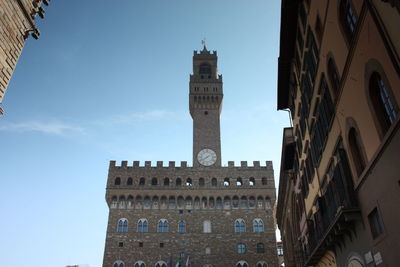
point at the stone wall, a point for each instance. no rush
(198, 203)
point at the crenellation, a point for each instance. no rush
(183, 164)
(124, 164)
(136, 164)
(243, 164)
(112, 164)
(171, 164)
(256, 164)
(231, 164)
(159, 164)
(147, 164)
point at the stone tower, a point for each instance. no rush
(202, 215)
(205, 102)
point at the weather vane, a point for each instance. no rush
(203, 42)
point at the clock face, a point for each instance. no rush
(207, 157)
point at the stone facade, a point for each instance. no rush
(16, 24)
(203, 215)
(339, 74)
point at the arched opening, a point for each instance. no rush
(260, 249)
(211, 203)
(166, 181)
(147, 202)
(164, 202)
(181, 202)
(264, 181)
(348, 18)
(205, 69)
(129, 181)
(239, 181)
(333, 76)
(181, 227)
(252, 202)
(139, 264)
(142, 226)
(385, 107)
(142, 181)
(119, 264)
(201, 182)
(235, 202)
(214, 182)
(189, 182)
(355, 148)
(122, 226)
(162, 226)
(178, 182)
(252, 181)
(227, 202)
(189, 202)
(219, 203)
(197, 203)
(204, 202)
(226, 182)
(171, 202)
(117, 181)
(243, 202)
(154, 181)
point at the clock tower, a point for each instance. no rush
(205, 103)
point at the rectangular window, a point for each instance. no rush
(375, 223)
(140, 244)
(241, 248)
(161, 245)
(120, 244)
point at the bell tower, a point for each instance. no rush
(205, 103)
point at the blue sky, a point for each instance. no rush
(108, 80)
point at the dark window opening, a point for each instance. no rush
(120, 244)
(142, 181)
(130, 181)
(154, 181)
(355, 148)
(117, 181)
(140, 244)
(375, 223)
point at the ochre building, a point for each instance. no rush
(17, 22)
(339, 75)
(202, 215)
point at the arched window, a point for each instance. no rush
(130, 200)
(264, 181)
(117, 181)
(178, 181)
(139, 264)
(189, 182)
(181, 202)
(197, 203)
(235, 202)
(129, 181)
(243, 202)
(260, 248)
(119, 264)
(142, 226)
(201, 182)
(239, 181)
(252, 202)
(242, 263)
(181, 227)
(226, 182)
(260, 202)
(138, 202)
(142, 181)
(160, 264)
(162, 226)
(214, 182)
(240, 226)
(219, 203)
(204, 202)
(154, 202)
(147, 202)
(122, 226)
(211, 203)
(207, 227)
(252, 181)
(258, 226)
(114, 200)
(262, 264)
(384, 104)
(205, 69)
(189, 202)
(227, 202)
(348, 18)
(164, 202)
(355, 148)
(333, 76)
(241, 249)
(171, 202)
(154, 181)
(166, 181)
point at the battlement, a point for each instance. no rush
(183, 164)
(204, 52)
